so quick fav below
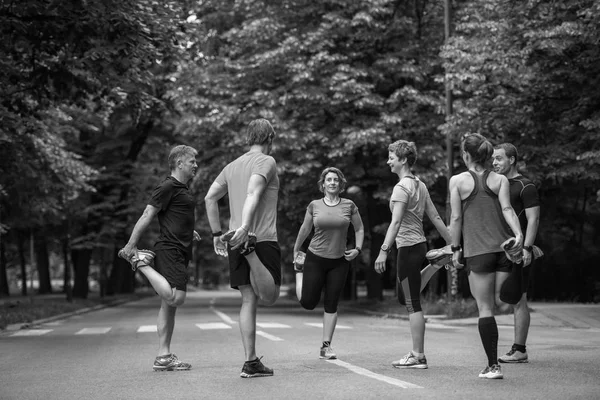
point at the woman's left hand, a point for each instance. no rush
(380, 263)
(351, 254)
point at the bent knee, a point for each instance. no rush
(269, 298)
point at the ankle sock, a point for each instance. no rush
(488, 331)
(519, 347)
(326, 344)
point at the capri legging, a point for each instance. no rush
(408, 270)
(319, 273)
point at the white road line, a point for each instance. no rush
(268, 336)
(320, 325)
(272, 325)
(213, 325)
(147, 328)
(32, 332)
(93, 331)
(223, 316)
(370, 374)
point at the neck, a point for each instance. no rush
(332, 198)
(476, 167)
(179, 176)
(512, 173)
(258, 148)
(404, 173)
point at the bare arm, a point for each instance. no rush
(398, 211)
(303, 233)
(256, 187)
(140, 226)
(508, 211)
(215, 192)
(359, 234)
(435, 218)
(533, 221)
(456, 218)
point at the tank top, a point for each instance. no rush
(484, 228)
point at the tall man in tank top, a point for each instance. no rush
(252, 184)
(525, 201)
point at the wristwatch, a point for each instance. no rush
(385, 247)
(455, 248)
(528, 248)
(357, 248)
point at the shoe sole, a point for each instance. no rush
(492, 377)
(163, 369)
(328, 358)
(258, 375)
(513, 361)
(410, 366)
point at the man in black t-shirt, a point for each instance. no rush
(174, 205)
(525, 201)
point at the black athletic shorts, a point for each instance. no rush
(172, 264)
(239, 269)
(489, 262)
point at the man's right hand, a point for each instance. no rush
(129, 250)
(220, 246)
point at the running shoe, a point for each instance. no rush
(493, 372)
(255, 369)
(410, 361)
(139, 258)
(327, 353)
(299, 262)
(514, 356)
(170, 362)
(248, 247)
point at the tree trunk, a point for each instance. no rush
(3, 275)
(67, 270)
(21, 247)
(81, 266)
(374, 280)
(43, 264)
(121, 277)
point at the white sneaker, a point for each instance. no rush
(493, 372)
(327, 353)
(411, 361)
(514, 356)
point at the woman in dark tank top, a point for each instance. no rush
(483, 216)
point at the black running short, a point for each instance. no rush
(239, 270)
(172, 264)
(490, 262)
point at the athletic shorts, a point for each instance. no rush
(239, 269)
(172, 264)
(489, 262)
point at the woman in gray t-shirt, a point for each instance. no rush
(327, 261)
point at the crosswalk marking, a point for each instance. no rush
(93, 331)
(32, 332)
(223, 316)
(147, 328)
(272, 325)
(269, 336)
(371, 374)
(213, 325)
(320, 325)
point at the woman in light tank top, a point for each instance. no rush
(482, 214)
(409, 202)
(327, 260)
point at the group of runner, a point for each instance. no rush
(487, 209)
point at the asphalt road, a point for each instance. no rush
(108, 354)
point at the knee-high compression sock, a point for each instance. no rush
(488, 331)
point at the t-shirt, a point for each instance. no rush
(523, 194)
(236, 176)
(414, 193)
(331, 227)
(175, 216)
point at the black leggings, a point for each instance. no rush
(319, 273)
(408, 271)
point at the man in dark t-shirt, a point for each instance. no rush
(525, 201)
(174, 205)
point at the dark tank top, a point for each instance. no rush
(484, 228)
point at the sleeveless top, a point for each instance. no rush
(484, 228)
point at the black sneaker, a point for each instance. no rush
(255, 369)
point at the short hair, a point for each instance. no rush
(259, 131)
(179, 151)
(478, 147)
(509, 149)
(340, 175)
(402, 149)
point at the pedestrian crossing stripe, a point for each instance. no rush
(213, 325)
(271, 325)
(320, 325)
(147, 328)
(269, 336)
(93, 331)
(32, 332)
